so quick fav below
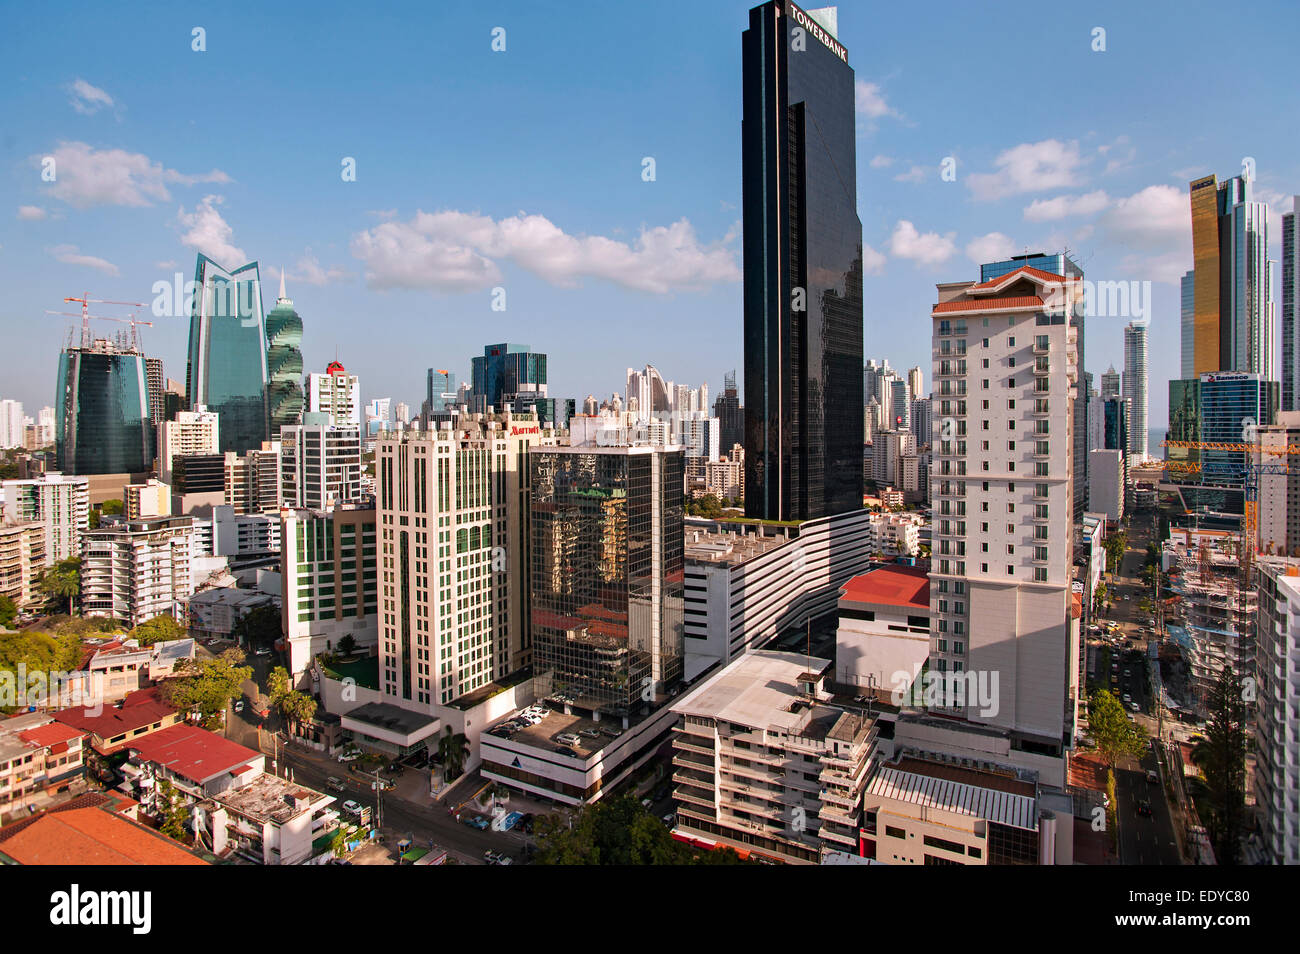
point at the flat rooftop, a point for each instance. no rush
(893, 584)
(728, 549)
(383, 715)
(269, 798)
(757, 690)
(961, 791)
(543, 734)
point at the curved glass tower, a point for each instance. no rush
(102, 423)
(284, 396)
(226, 370)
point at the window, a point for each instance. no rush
(1011, 405)
(1011, 342)
(986, 362)
(893, 832)
(1011, 361)
(1011, 570)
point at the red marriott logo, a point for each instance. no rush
(516, 430)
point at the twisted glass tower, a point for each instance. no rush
(284, 396)
(226, 369)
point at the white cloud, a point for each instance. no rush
(87, 99)
(460, 251)
(85, 176)
(881, 162)
(71, 255)
(930, 248)
(207, 232)
(914, 174)
(993, 247)
(873, 262)
(1156, 217)
(32, 213)
(1029, 167)
(1118, 155)
(309, 271)
(1063, 206)
(870, 100)
(169, 263)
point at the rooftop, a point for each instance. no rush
(704, 546)
(961, 791)
(383, 715)
(138, 709)
(757, 690)
(893, 584)
(193, 753)
(269, 798)
(87, 831)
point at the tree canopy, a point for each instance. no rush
(207, 685)
(158, 630)
(1222, 757)
(618, 831)
(63, 581)
(259, 626)
(1114, 732)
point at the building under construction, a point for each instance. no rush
(1218, 605)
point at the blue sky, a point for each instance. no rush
(522, 169)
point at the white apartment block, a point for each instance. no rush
(335, 393)
(191, 433)
(60, 504)
(138, 570)
(747, 585)
(888, 448)
(153, 498)
(253, 480)
(1279, 487)
(320, 464)
(894, 534)
(453, 532)
(11, 424)
(1005, 367)
(699, 435)
(766, 766)
(22, 560)
(330, 582)
(1277, 710)
(1106, 483)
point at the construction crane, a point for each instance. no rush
(85, 315)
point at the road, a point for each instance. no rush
(1144, 839)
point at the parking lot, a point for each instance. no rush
(573, 735)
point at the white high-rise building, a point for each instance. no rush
(1279, 486)
(137, 570)
(1277, 710)
(452, 513)
(1002, 486)
(320, 463)
(60, 504)
(335, 393)
(192, 432)
(1135, 387)
(11, 424)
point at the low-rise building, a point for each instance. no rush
(92, 829)
(764, 764)
(272, 820)
(110, 728)
(883, 638)
(37, 755)
(213, 613)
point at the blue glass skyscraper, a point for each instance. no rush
(227, 352)
(102, 423)
(505, 372)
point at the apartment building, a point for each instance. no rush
(22, 561)
(335, 393)
(153, 498)
(189, 433)
(330, 581)
(252, 480)
(764, 765)
(61, 504)
(320, 463)
(138, 569)
(37, 754)
(1005, 371)
(1277, 710)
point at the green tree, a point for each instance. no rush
(111, 507)
(277, 684)
(453, 749)
(208, 685)
(174, 811)
(1115, 545)
(158, 630)
(294, 705)
(617, 831)
(1221, 755)
(63, 581)
(259, 626)
(347, 645)
(8, 612)
(1114, 732)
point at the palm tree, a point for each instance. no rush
(63, 581)
(453, 749)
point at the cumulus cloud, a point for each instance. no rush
(309, 271)
(32, 213)
(206, 231)
(993, 247)
(870, 100)
(873, 262)
(87, 99)
(881, 162)
(71, 255)
(914, 174)
(461, 251)
(929, 248)
(1157, 217)
(1029, 167)
(85, 176)
(1063, 206)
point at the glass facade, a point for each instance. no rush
(803, 270)
(503, 371)
(607, 575)
(284, 364)
(227, 353)
(102, 418)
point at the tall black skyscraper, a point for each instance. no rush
(803, 269)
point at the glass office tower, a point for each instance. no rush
(504, 372)
(607, 575)
(284, 363)
(803, 269)
(226, 370)
(102, 416)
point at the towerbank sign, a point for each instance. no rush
(803, 19)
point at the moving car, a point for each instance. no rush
(334, 783)
(1153, 777)
(351, 807)
(1144, 808)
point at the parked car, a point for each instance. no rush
(1135, 707)
(351, 807)
(334, 783)
(568, 738)
(589, 733)
(238, 705)
(476, 821)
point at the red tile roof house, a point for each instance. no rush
(93, 829)
(37, 755)
(112, 728)
(199, 764)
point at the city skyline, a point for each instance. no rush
(135, 201)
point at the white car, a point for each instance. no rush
(349, 756)
(351, 807)
(568, 738)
